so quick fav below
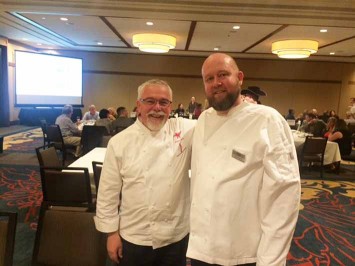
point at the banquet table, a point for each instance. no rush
(98, 155)
(331, 154)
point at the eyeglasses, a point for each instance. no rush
(152, 101)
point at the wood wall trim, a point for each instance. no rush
(100, 72)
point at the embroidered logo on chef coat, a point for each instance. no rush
(179, 139)
(238, 155)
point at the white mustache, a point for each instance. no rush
(157, 113)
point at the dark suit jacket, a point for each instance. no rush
(121, 123)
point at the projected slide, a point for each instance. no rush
(47, 80)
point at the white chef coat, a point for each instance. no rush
(151, 170)
(245, 187)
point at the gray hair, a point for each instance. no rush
(67, 109)
(153, 82)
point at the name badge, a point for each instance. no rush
(239, 156)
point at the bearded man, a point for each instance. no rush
(245, 183)
(147, 164)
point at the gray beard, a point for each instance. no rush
(225, 104)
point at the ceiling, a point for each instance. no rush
(199, 25)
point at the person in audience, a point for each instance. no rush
(332, 113)
(352, 107)
(245, 183)
(147, 164)
(198, 111)
(192, 105)
(290, 115)
(315, 126)
(92, 114)
(338, 132)
(252, 94)
(105, 121)
(70, 132)
(180, 111)
(122, 121)
(112, 113)
(315, 112)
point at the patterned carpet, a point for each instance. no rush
(324, 234)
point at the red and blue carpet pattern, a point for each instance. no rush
(326, 225)
(324, 233)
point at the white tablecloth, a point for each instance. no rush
(331, 154)
(98, 155)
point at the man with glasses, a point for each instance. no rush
(148, 165)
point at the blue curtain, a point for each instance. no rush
(4, 88)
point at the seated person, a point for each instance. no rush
(92, 114)
(70, 132)
(339, 133)
(112, 113)
(290, 115)
(315, 126)
(180, 111)
(105, 121)
(122, 121)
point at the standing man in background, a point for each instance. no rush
(192, 105)
(148, 165)
(245, 183)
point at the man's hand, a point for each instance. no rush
(114, 246)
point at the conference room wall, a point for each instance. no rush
(112, 80)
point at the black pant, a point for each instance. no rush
(201, 263)
(171, 255)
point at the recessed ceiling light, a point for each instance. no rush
(236, 27)
(323, 30)
(63, 19)
(332, 53)
(149, 23)
(43, 18)
(99, 43)
(216, 48)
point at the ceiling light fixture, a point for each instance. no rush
(332, 53)
(294, 49)
(216, 49)
(323, 30)
(154, 43)
(63, 19)
(236, 27)
(99, 43)
(149, 23)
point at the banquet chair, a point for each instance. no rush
(313, 152)
(8, 222)
(66, 237)
(47, 156)
(65, 186)
(54, 135)
(97, 167)
(44, 131)
(91, 137)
